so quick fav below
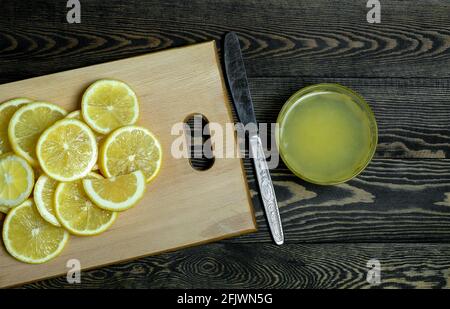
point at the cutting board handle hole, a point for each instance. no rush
(201, 149)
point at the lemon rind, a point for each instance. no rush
(15, 102)
(40, 205)
(74, 115)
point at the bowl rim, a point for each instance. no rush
(342, 90)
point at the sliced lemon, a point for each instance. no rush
(67, 151)
(4, 209)
(16, 180)
(130, 149)
(7, 110)
(109, 104)
(117, 193)
(77, 213)
(28, 123)
(44, 194)
(29, 238)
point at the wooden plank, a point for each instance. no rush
(323, 266)
(310, 41)
(412, 114)
(280, 38)
(182, 206)
(393, 200)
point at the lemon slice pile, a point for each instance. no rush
(41, 140)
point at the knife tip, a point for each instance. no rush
(279, 242)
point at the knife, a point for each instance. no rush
(238, 84)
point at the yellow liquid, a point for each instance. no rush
(326, 137)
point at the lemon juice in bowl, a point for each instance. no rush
(327, 134)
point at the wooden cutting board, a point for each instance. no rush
(183, 206)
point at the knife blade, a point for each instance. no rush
(242, 100)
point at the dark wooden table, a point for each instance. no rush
(397, 210)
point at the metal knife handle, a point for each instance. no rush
(266, 188)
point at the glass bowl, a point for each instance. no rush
(326, 134)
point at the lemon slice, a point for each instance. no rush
(130, 149)
(7, 110)
(44, 193)
(28, 123)
(67, 151)
(16, 180)
(77, 213)
(109, 104)
(29, 238)
(118, 193)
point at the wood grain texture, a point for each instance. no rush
(393, 200)
(172, 214)
(325, 266)
(400, 66)
(280, 38)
